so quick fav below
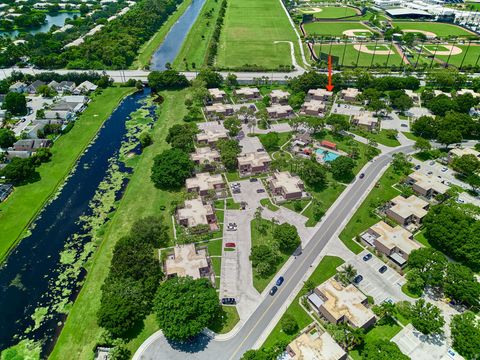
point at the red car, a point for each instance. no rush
(230, 245)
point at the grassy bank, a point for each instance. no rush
(148, 49)
(26, 201)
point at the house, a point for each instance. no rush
(57, 114)
(195, 212)
(3, 114)
(467, 91)
(66, 87)
(365, 120)
(217, 95)
(302, 140)
(286, 185)
(313, 108)
(247, 93)
(203, 183)
(328, 144)
(349, 94)
(188, 260)
(412, 95)
(320, 94)
(23, 154)
(211, 136)
(407, 211)
(314, 344)
(279, 97)
(459, 152)
(426, 185)
(5, 190)
(33, 87)
(205, 156)
(440, 92)
(53, 84)
(219, 109)
(31, 144)
(394, 242)
(18, 87)
(338, 304)
(278, 111)
(85, 87)
(253, 163)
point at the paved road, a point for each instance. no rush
(157, 347)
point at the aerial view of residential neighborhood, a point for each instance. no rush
(239, 179)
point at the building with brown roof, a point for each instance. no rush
(217, 95)
(285, 185)
(205, 156)
(254, 163)
(195, 212)
(278, 111)
(313, 108)
(279, 96)
(320, 94)
(187, 260)
(426, 185)
(365, 120)
(407, 211)
(203, 183)
(350, 94)
(247, 93)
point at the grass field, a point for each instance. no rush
(347, 55)
(148, 49)
(440, 29)
(195, 44)
(26, 201)
(379, 137)
(471, 56)
(334, 28)
(251, 27)
(330, 12)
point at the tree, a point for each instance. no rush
(289, 324)
(338, 123)
(152, 230)
(7, 138)
(425, 127)
(20, 171)
(347, 274)
(231, 80)
(167, 80)
(465, 330)
(400, 100)
(400, 163)
(422, 144)
(429, 263)
(15, 103)
(448, 137)
(270, 141)
(415, 282)
(46, 91)
(474, 181)
(182, 136)
(229, 151)
(307, 81)
(233, 125)
(119, 351)
(145, 139)
(381, 349)
(287, 237)
(171, 168)
(377, 105)
(346, 336)
(199, 307)
(263, 259)
(463, 103)
(42, 155)
(427, 318)
(313, 174)
(460, 284)
(342, 169)
(466, 164)
(211, 78)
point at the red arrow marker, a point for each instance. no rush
(329, 86)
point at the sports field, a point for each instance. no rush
(329, 12)
(471, 56)
(348, 55)
(439, 29)
(249, 34)
(336, 28)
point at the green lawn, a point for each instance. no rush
(196, 43)
(214, 247)
(335, 28)
(347, 55)
(141, 198)
(440, 29)
(232, 205)
(333, 12)
(325, 270)
(408, 293)
(250, 29)
(227, 320)
(420, 237)
(217, 265)
(364, 217)
(411, 136)
(26, 201)
(379, 137)
(219, 215)
(148, 49)
(268, 204)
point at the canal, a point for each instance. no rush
(169, 49)
(42, 276)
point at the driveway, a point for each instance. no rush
(393, 121)
(250, 144)
(346, 109)
(35, 103)
(380, 286)
(248, 193)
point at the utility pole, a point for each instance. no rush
(465, 55)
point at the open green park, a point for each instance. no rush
(336, 28)
(348, 55)
(439, 29)
(469, 56)
(26, 201)
(330, 12)
(250, 32)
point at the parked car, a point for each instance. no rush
(417, 167)
(367, 257)
(231, 227)
(362, 175)
(230, 245)
(253, 179)
(432, 163)
(382, 269)
(403, 125)
(357, 279)
(229, 301)
(273, 290)
(260, 191)
(280, 281)
(430, 173)
(444, 169)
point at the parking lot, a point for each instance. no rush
(34, 103)
(248, 193)
(392, 121)
(380, 286)
(250, 144)
(434, 169)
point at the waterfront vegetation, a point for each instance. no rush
(26, 201)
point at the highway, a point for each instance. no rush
(157, 347)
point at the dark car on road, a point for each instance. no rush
(253, 179)
(280, 280)
(260, 191)
(367, 257)
(362, 175)
(273, 290)
(228, 301)
(382, 269)
(357, 279)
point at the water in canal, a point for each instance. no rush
(41, 276)
(169, 49)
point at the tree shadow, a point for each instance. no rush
(194, 345)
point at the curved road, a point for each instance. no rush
(157, 347)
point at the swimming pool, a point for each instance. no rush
(327, 155)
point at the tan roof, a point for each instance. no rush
(279, 109)
(365, 118)
(205, 155)
(427, 182)
(345, 301)
(219, 108)
(195, 212)
(314, 105)
(440, 92)
(320, 93)
(413, 205)
(212, 135)
(247, 91)
(464, 151)
(350, 92)
(217, 93)
(254, 159)
(204, 181)
(396, 237)
(287, 181)
(279, 94)
(315, 345)
(186, 261)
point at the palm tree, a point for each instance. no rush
(348, 272)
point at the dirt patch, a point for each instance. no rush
(428, 34)
(366, 50)
(352, 32)
(311, 10)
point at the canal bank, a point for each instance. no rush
(42, 276)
